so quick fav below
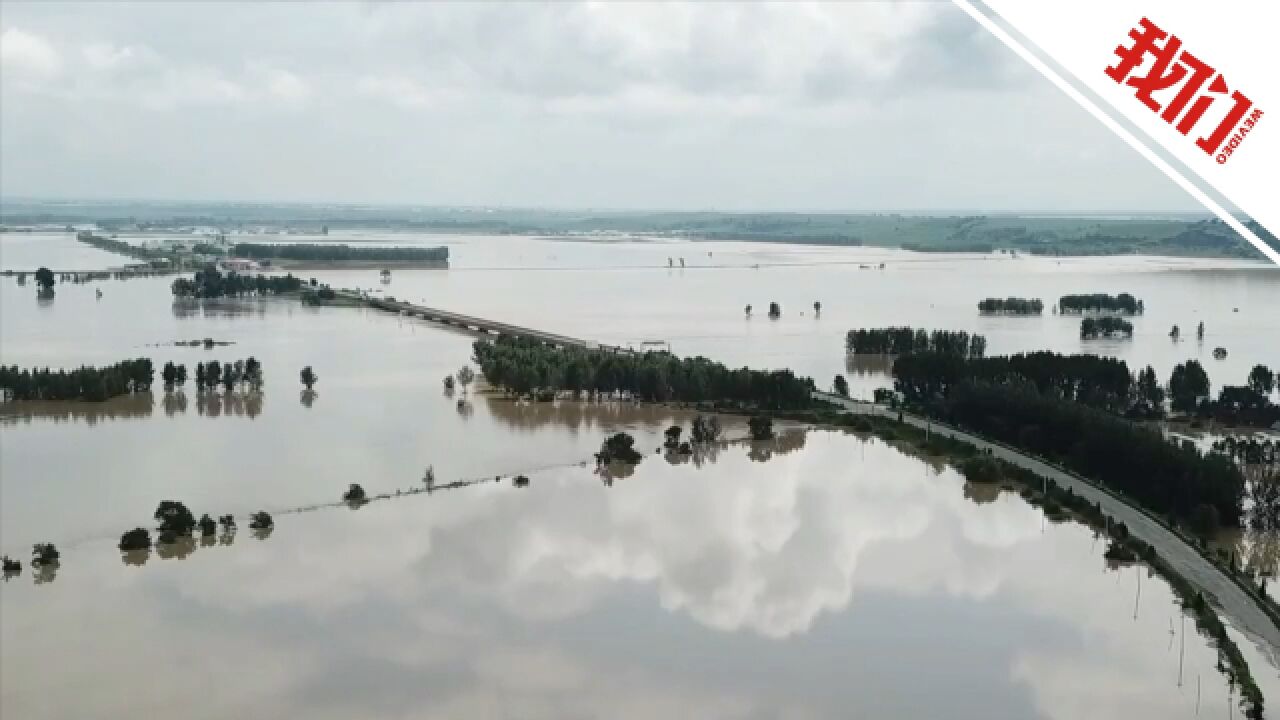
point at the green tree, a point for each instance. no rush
(44, 554)
(309, 377)
(135, 539)
(465, 376)
(706, 429)
(1262, 380)
(173, 520)
(672, 435)
(1149, 395)
(253, 373)
(841, 386)
(1188, 383)
(45, 280)
(618, 447)
(169, 375)
(760, 427)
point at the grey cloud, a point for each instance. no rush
(856, 106)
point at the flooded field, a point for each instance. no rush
(825, 575)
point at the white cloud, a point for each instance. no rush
(855, 107)
(26, 55)
(106, 57)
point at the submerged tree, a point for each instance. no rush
(308, 377)
(841, 386)
(174, 520)
(44, 554)
(1262, 380)
(618, 447)
(748, 310)
(465, 376)
(208, 526)
(1175, 332)
(1200, 331)
(135, 539)
(45, 281)
(775, 310)
(253, 374)
(706, 429)
(261, 520)
(11, 567)
(760, 427)
(169, 375)
(354, 495)
(672, 435)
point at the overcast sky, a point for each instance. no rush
(860, 107)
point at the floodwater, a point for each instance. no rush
(824, 575)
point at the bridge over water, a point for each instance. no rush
(470, 322)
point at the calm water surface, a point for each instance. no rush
(821, 576)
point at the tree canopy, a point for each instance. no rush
(523, 366)
(85, 383)
(903, 340)
(210, 283)
(328, 252)
(1124, 304)
(1106, 326)
(1011, 306)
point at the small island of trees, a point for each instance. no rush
(524, 367)
(1011, 306)
(91, 384)
(210, 283)
(325, 252)
(242, 373)
(1105, 326)
(1122, 304)
(904, 340)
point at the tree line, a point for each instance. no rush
(1011, 306)
(1247, 404)
(327, 253)
(93, 384)
(241, 373)
(1105, 326)
(1099, 445)
(1124, 303)
(1102, 382)
(904, 340)
(526, 366)
(210, 283)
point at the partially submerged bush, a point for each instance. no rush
(618, 448)
(174, 519)
(135, 539)
(354, 494)
(43, 554)
(761, 427)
